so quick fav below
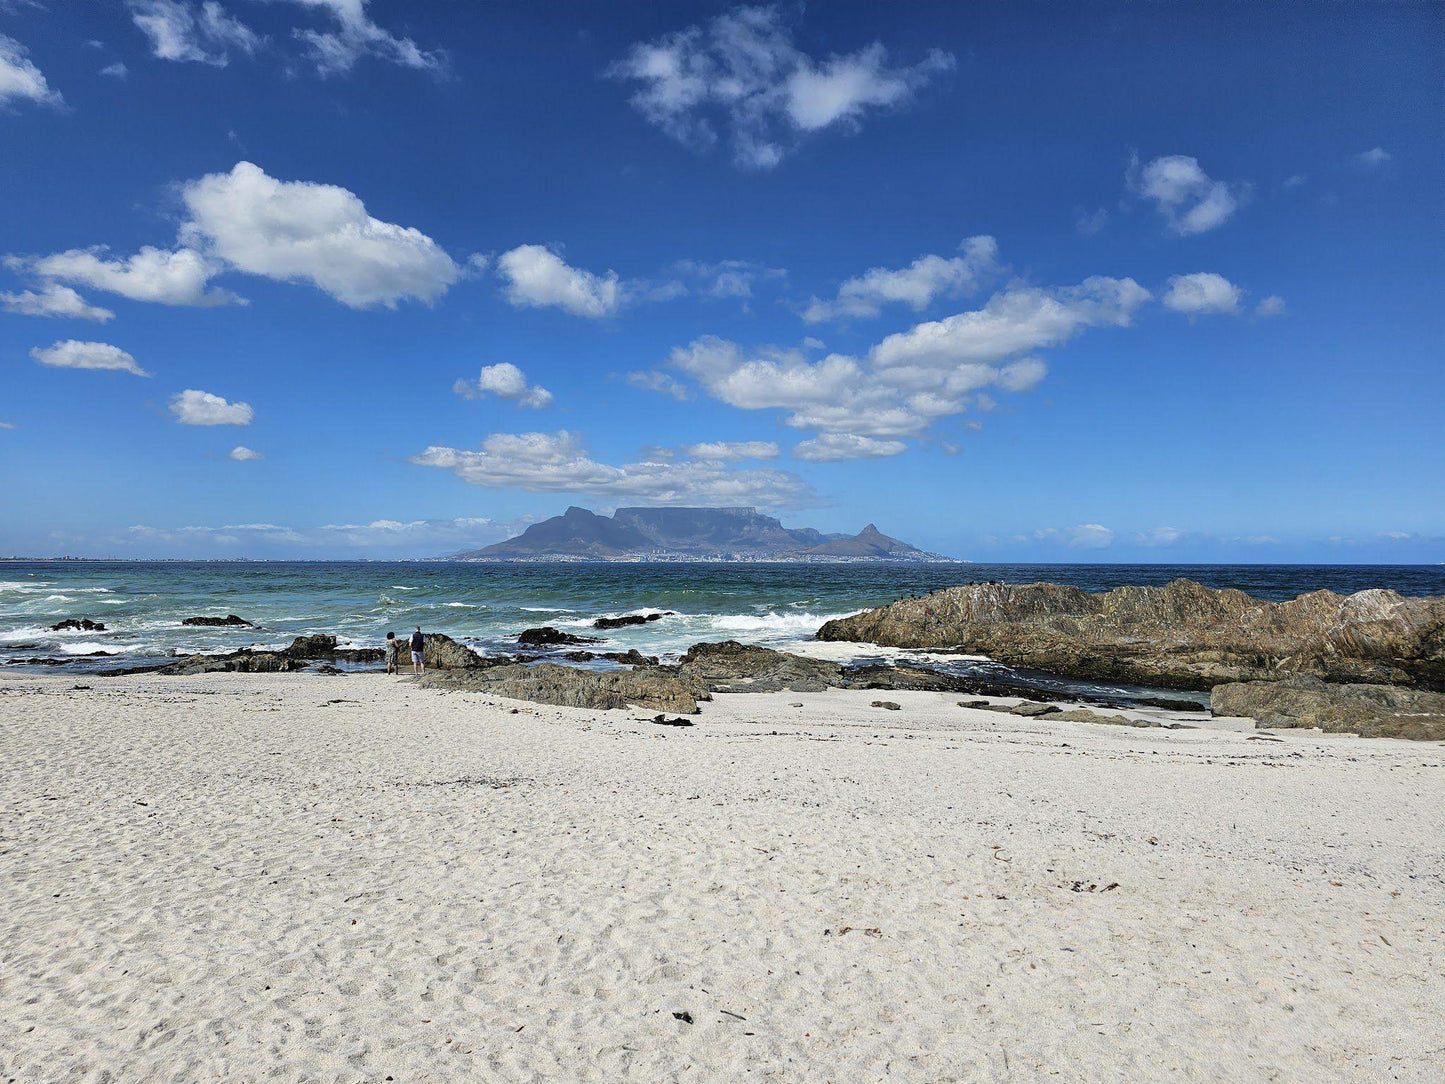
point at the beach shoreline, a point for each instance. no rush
(348, 877)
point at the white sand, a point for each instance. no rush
(228, 878)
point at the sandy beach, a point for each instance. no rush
(346, 878)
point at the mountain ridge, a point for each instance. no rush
(740, 533)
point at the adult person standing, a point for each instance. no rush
(418, 646)
(393, 651)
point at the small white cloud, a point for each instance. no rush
(20, 79)
(241, 454)
(1160, 536)
(1190, 201)
(537, 277)
(183, 30)
(1273, 305)
(1201, 294)
(1091, 536)
(733, 450)
(1090, 223)
(73, 354)
(355, 36)
(7, 425)
(52, 299)
(299, 231)
(916, 285)
(720, 280)
(115, 71)
(162, 276)
(505, 381)
(192, 407)
(663, 383)
(834, 447)
(1295, 180)
(1373, 158)
(742, 70)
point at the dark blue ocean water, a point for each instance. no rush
(779, 605)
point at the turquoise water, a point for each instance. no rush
(777, 605)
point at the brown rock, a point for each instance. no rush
(1372, 711)
(1182, 634)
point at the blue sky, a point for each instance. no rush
(1017, 282)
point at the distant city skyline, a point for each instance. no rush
(1085, 282)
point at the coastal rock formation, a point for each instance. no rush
(1181, 635)
(548, 683)
(729, 667)
(1372, 711)
(239, 662)
(229, 621)
(547, 635)
(71, 624)
(628, 619)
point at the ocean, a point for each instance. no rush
(142, 604)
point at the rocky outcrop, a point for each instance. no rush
(628, 619)
(730, 667)
(72, 624)
(1181, 635)
(1372, 711)
(547, 635)
(548, 683)
(238, 662)
(229, 621)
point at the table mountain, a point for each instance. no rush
(690, 534)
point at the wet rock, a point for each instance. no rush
(631, 657)
(547, 635)
(229, 621)
(318, 646)
(1181, 635)
(629, 619)
(547, 683)
(1372, 711)
(83, 624)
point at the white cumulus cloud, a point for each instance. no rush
(301, 231)
(161, 276)
(505, 381)
(916, 285)
(1188, 198)
(742, 71)
(1201, 294)
(52, 299)
(558, 463)
(20, 79)
(834, 447)
(192, 407)
(241, 454)
(74, 354)
(1373, 158)
(537, 277)
(912, 379)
